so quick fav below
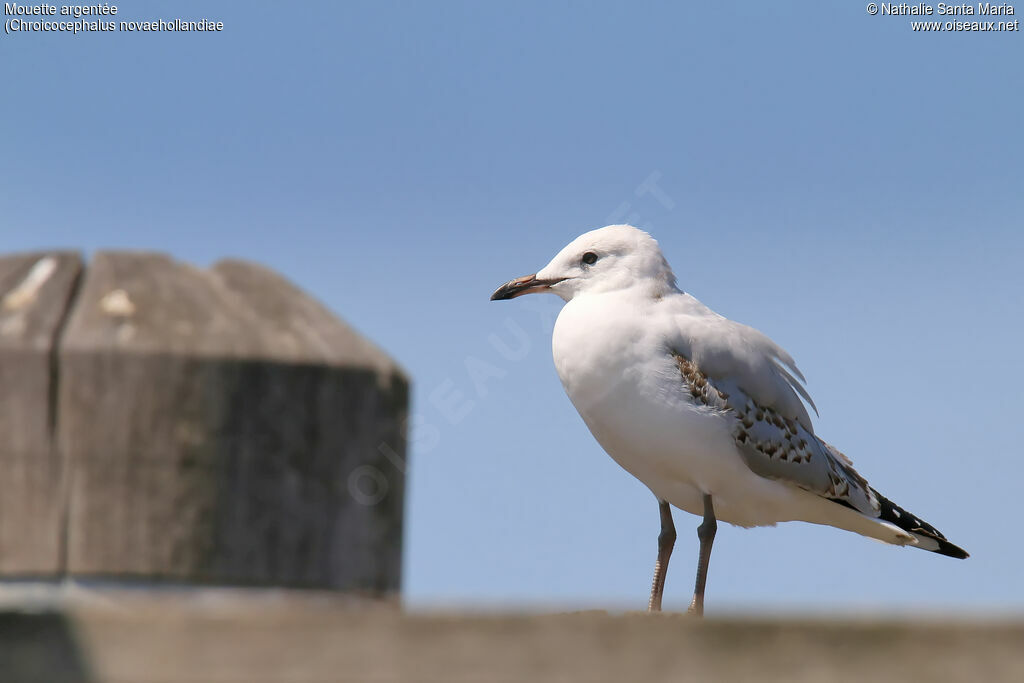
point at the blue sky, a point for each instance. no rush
(851, 188)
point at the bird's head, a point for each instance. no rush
(603, 260)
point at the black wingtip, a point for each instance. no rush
(949, 550)
(911, 523)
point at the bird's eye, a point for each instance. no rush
(590, 258)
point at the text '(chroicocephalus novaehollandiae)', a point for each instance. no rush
(703, 410)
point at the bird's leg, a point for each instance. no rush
(706, 534)
(666, 541)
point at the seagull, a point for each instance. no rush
(708, 413)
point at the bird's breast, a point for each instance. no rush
(625, 384)
(597, 348)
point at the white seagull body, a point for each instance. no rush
(705, 411)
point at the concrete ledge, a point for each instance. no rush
(217, 636)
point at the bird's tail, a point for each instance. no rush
(928, 537)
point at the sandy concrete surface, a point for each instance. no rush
(137, 637)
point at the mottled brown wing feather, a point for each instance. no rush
(777, 447)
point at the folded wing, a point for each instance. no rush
(778, 446)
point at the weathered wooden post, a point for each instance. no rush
(216, 426)
(34, 293)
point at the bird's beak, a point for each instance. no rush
(528, 284)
